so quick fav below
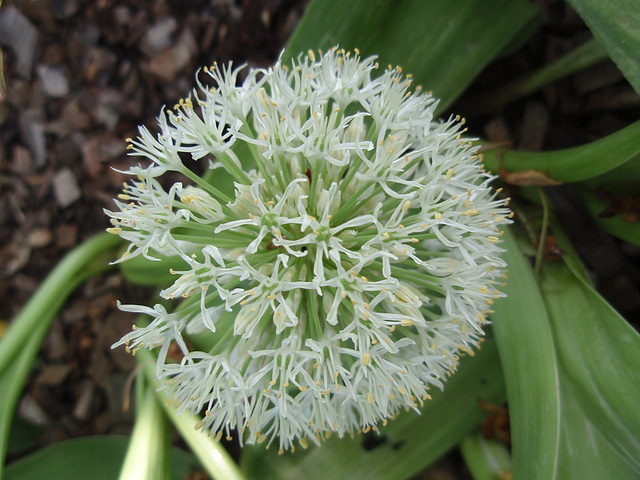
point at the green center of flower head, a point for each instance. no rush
(355, 260)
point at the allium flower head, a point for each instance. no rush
(354, 262)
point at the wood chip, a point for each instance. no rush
(32, 130)
(497, 131)
(29, 409)
(54, 375)
(534, 127)
(17, 33)
(65, 188)
(159, 36)
(39, 237)
(84, 400)
(53, 81)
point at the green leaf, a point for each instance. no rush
(406, 445)
(586, 55)
(21, 343)
(147, 456)
(97, 458)
(24, 435)
(209, 451)
(596, 203)
(599, 356)
(616, 25)
(141, 271)
(486, 459)
(528, 356)
(572, 164)
(443, 44)
(581, 440)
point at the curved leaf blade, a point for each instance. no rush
(608, 154)
(616, 25)
(528, 356)
(97, 457)
(599, 356)
(443, 44)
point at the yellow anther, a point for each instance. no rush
(366, 358)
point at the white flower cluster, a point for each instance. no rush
(355, 262)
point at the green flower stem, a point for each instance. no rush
(208, 187)
(84, 261)
(148, 452)
(586, 55)
(214, 458)
(543, 233)
(21, 343)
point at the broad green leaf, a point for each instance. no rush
(596, 202)
(95, 458)
(528, 356)
(616, 25)
(584, 453)
(405, 445)
(486, 459)
(443, 44)
(572, 164)
(599, 355)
